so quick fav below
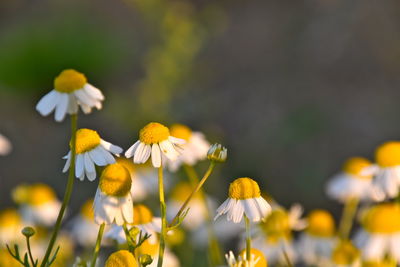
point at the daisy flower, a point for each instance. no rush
(316, 243)
(10, 227)
(380, 233)
(244, 199)
(353, 182)
(194, 150)
(90, 150)
(5, 145)
(70, 91)
(155, 141)
(121, 258)
(257, 259)
(113, 200)
(345, 254)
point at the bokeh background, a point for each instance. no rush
(292, 88)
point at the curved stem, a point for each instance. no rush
(163, 218)
(68, 191)
(346, 222)
(28, 245)
(98, 244)
(248, 238)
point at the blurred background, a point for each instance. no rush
(291, 88)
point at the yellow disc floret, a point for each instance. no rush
(345, 253)
(382, 219)
(256, 255)
(9, 218)
(142, 214)
(128, 164)
(388, 154)
(153, 133)
(277, 225)
(41, 194)
(115, 180)
(243, 188)
(86, 140)
(320, 224)
(121, 258)
(87, 210)
(355, 166)
(181, 131)
(69, 80)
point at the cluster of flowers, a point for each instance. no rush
(118, 218)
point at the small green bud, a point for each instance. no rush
(28, 231)
(145, 260)
(217, 153)
(133, 232)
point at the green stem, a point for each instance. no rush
(286, 256)
(28, 245)
(128, 238)
(163, 218)
(98, 245)
(68, 191)
(198, 187)
(346, 222)
(248, 238)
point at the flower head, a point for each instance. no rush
(388, 154)
(355, 166)
(217, 153)
(121, 258)
(257, 259)
(382, 219)
(320, 224)
(345, 254)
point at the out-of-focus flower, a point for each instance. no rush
(217, 153)
(39, 203)
(194, 150)
(113, 200)
(244, 199)
(380, 234)
(353, 182)
(383, 263)
(345, 254)
(6, 259)
(70, 91)
(90, 150)
(121, 258)
(170, 260)
(155, 141)
(316, 243)
(257, 259)
(5, 146)
(10, 227)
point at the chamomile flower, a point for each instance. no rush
(155, 141)
(5, 145)
(149, 248)
(113, 200)
(345, 254)
(316, 243)
(380, 233)
(194, 150)
(382, 263)
(121, 258)
(39, 203)
(244, 199)
(353, 182)
(90, 150)
(387, 168)
(257, 259)
(71, 90)
(10, 227)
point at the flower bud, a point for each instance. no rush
(145, 260)
(217, 153)
(28, 231)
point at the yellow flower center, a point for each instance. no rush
(277, 224)
(147, 248)
(40, 194)
(181, 131)
(345, 253)
(69, 80)
(388, 154)
(115, 180)
(87, 210)
(243, 188)
(20, 194)
(153, 133)
(141, 215)
(321, 224)
(128, 164)
(9, 217)
(355, 166)
(382, 219)
(262, 262)
(121, 258)
(86, 140)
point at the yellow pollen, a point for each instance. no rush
(87, 210)
(121, 258)
(69, 80)
(262, 262)
(388, 154)
(115, 180)
(355, 166)
(41, 194)
(181, 192)
(181, 131)
(277, 224)
(153, 133)
(9, 217)
(141, 215)
(345, 253)
(128, 164)
(243, 188)
(321, 224)
(148, 248)
(86, 140)
(382, 219)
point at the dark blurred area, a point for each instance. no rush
(292, 88)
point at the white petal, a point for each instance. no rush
(131, 150)
(68, 162)
(80, 164)
(175, 140)
(84, 98)
(72, 104)
(93, 92)
(97, 157)
(48, 102)
(89, 167)
(168, 150)
(146, 153)
(110, 147)
(61, 108)
(156, 156)
(139, 153)
(106, 155)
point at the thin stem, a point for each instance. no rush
(68, 191)
(346, 222)
(28, 245)
(98, 244)
(248, 238)
(128, 238)
(163, 218)
(286, 256)
(200, 184)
